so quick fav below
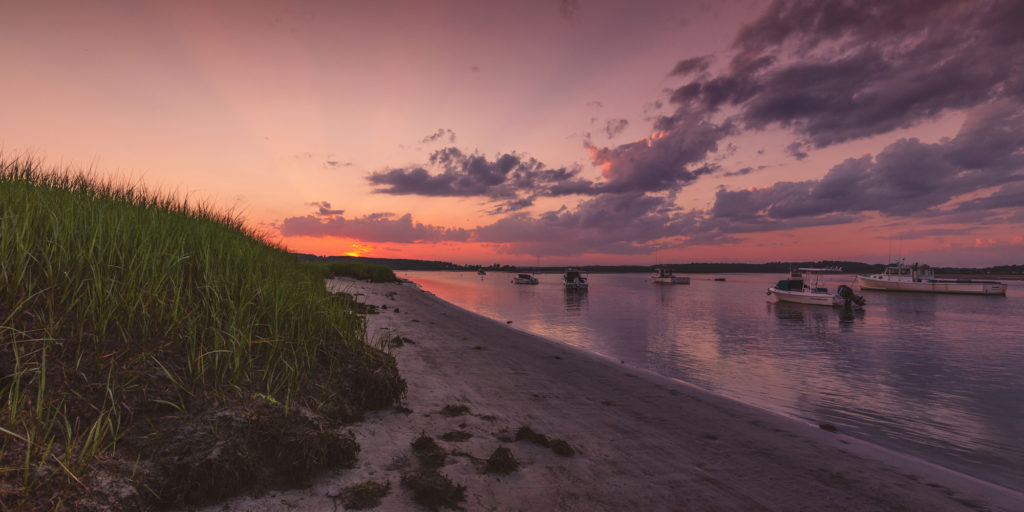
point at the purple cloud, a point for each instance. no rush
(511, 179)
(614, 127)
(377, 227)
(692, 65)
(797, 150)
(908, 178)
(609, 223)
(324, 208)
(671, 159)
(834, 70)
(443, 134)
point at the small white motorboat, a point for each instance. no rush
(525, 279)
(574, 280)
(806, 286)
(664, 275)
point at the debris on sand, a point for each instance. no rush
(428, 452)
(212, 456)
(527, 434)
(456, 436)
(559, 446)
(433, 490)
(454, 410)
(501, 462)
(364, 495)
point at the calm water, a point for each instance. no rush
(938, 376)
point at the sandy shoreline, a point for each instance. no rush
(643, 442)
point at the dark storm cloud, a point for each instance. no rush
(614, 127)
(378, 227)
(442, 134)
(511, 179)
(908, 178)
(838, 70)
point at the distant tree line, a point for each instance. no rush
(773, 267)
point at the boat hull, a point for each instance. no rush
(671, 280)
(816, 299)
(933, 286)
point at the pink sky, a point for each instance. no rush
(575, 132)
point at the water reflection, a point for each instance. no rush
(795, 314)
(575, 299)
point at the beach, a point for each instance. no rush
(639, 441)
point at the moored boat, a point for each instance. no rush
(806, 286)
(664, 275)
(525, 279)
(574, 280)
(921, 278)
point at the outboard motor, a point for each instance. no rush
(847, 294)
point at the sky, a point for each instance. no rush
(563, 132)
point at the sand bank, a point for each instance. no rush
(642, 442)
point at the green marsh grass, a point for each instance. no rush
(119, 305)
(356, 270)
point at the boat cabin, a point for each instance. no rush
(798, 283)
(792, 285)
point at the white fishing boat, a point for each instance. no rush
(806, 286)
(664, 275)
(525, 279)
(921, 278)
(574, 280)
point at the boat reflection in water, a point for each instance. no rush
(795, 314)
(575, 299)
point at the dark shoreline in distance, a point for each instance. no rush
(1011, 272)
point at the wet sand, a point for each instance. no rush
(642, 441)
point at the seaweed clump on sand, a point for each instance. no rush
(434, 490)
(156, 353)
(453, 410)
(456, 436)
(364, 495)
(501, 462)
(559, 446)
(222, 452)
(428, 452)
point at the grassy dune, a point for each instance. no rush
(127, 316)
